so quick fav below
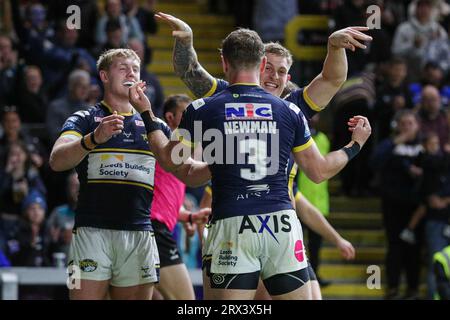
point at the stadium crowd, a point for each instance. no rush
(401, 83)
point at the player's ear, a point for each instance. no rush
(103, 76)
(224, 64)
(262, 66)
(169, 116)
(288, 77)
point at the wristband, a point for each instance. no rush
(92, 136)
(150, 125)
(352, 151)
(83, 144)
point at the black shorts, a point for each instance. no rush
(311, 273)
(169, 254)
(276, 285)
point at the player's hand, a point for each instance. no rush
(436, 202)
(138, 99)
(415, 171)
(108, 127)
(346, 249)
(181, 29)
(360, 128)
(201, 216)
(348, 38)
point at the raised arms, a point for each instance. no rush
(185, 60)
(334, 72)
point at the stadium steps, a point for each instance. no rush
(358, 220)
(366, 220)
(209, 30)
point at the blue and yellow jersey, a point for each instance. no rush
(299, 97)
(117, 177)
(292, 170)
(259, 131)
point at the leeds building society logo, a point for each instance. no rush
(88, 265)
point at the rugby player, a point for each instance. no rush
(113, 250)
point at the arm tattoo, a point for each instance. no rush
(187, 67)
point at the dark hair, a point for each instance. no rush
(112, 25)
(400, 115)
(428, 135)
(7, 109)
(432, 65)
(243, 48)
(396, 61)
(173, 101)
(25, 149)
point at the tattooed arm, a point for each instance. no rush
(185, 60)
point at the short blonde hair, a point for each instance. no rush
(106, 58)
(278, 50)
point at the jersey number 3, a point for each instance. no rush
(257, 151)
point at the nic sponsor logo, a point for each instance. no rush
(246, 111)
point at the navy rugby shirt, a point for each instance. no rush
(117, 177)
(259, 131)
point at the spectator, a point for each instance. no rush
(441, 269)
(8, 70)
(63, 55)
(76, 99)
(393, 12)
(432, 117)
(437, 199)
(114, 36)
(32, 101)
(439, 52)
(154, 90)
(18, 179)
(34, 31)
(61, 221)
(13, 133)
(431, 74)
(144, 14)
(413, 37)
(357, 96)
(395, 159)
(129, 25)
(57, 10)
(271, 16)
(29, 248)
(392, 96)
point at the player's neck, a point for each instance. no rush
(121, 105)
(243, 77)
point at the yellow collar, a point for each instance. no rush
(122, 113)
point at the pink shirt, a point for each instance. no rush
(168, 197)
